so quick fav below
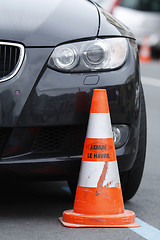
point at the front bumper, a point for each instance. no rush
(57, 100)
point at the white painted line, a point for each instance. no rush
(155, 82)
(146, 231)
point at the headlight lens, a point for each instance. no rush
(95, 55)
(65, 57)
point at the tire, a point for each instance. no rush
(131, 180)
(72, 184)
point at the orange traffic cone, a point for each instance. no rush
(98, 201)
(145, 54)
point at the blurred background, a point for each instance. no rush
(142, 17)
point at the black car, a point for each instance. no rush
(52, 55)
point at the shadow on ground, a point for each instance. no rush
(34, 199)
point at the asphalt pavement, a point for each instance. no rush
(30, 211)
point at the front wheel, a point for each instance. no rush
(130, 180)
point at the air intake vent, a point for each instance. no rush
(60, 140)
(11, 58)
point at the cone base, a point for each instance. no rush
(124, 220)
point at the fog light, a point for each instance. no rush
(120, 134)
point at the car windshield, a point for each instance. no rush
(143, 5)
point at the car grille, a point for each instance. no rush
(11, 57)
(61, 141)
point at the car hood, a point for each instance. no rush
(110, 26)
(47, 23)
(51, 22)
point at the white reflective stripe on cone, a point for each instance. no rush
(99, 126)
(91, 172)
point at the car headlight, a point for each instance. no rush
(94, 55)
